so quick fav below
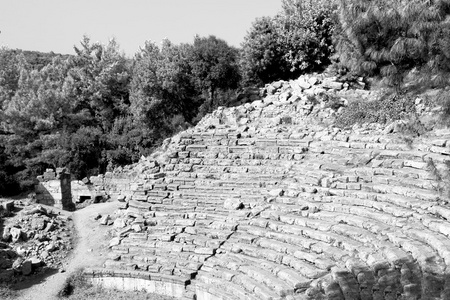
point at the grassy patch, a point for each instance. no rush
(386, 109)
(75, 281)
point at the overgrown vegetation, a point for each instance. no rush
(98, 109)
(383, 110)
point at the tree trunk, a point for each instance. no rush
(212, 91)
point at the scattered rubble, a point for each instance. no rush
(32, 238)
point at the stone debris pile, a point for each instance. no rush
(267, 201)
(32, 238)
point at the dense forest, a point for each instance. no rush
(98, 109)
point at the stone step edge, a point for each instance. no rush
(104, 272)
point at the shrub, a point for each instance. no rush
(74, 281)
(383, 110)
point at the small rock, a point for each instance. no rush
(27, 268)
(119, 223)
(51, 247)
(313, 80)
(114, 242)
(97, 216)
(303, 84)
(332, 85)
(21, 251)
(37, 210)
(50, 227)
(233, 204)
(276, 192)
(8, 206)
(17, 264)
(105, 219)
(35, 261)
(38, 223)
(45, 254)
(16, 234)
(6, 236)
(136, 228)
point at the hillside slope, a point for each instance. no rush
(268, 200)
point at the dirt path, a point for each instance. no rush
(90, 250)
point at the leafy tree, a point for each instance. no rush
(306, 28)
(214, 66)
(262, 55)
(389, 38)
(295, 41)
(162, 87)
(99, 82)
(87, 152)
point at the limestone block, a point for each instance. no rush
(8, 206)
(233, 204)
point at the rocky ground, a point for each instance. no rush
(34, 240)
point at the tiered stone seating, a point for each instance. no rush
(314, 215)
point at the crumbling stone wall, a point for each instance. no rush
(54, 189)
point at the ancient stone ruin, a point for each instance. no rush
(268, 201)
(54, 189)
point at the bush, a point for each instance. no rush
(74, 281)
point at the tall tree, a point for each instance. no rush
(388, 38)
(295, 41)
(214, 65)
(99, 82)
(262, 57)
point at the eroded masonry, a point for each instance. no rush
(266, 201)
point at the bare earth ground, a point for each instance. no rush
(89, 250)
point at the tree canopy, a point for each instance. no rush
(97, 109)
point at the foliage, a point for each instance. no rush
(262, 55)
(214, 66)
(297, 40)
(97, 109)
(389, 38)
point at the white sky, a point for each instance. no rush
(58, 25)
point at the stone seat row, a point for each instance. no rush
(299, 133)
(275, 246)
(376, 223)
(357, 246)
(393, 254)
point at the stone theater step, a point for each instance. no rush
(321, 212)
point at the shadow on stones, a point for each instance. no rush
(38, 278)
(402, 280)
